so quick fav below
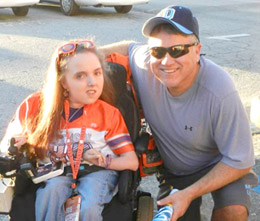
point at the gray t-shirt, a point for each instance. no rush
(204, 125)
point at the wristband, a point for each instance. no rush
(108, 161)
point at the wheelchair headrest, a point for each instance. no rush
(124, 100)
(118, 78)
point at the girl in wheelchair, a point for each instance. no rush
(72, 120)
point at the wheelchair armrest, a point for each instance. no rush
(125, 185)
(141, 143)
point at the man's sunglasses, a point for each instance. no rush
(174, 51)
(72, 46)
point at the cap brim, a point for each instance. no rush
(152, 22)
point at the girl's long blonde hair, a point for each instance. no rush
(45, 126)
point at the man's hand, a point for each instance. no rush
(180, 202)
(95, 157)
(220, 175)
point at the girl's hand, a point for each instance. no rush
(95, 157)
(20, 140)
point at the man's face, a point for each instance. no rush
(178, 74)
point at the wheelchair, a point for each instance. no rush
(130, 203)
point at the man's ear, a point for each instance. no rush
(198, 48)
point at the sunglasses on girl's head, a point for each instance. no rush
(71, 47)
(174, 51)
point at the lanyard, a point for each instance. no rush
(74, 165)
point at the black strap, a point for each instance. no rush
(84, 169)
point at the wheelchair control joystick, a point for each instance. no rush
(15, 160)
(12, 149)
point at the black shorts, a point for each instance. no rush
(236, 193)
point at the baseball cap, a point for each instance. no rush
(181, 18)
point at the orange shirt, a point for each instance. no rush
(106, 130)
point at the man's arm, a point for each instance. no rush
(120, 47)
(219, 176)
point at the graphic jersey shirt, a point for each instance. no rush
(105, 129)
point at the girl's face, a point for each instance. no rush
(84, 79)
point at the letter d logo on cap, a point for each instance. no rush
(168, 13)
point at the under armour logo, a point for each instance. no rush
(188, 128)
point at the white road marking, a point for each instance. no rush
(227, 37)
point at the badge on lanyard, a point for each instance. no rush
(72, 208)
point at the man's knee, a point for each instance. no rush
(230, 213)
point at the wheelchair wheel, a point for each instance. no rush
(145, 208)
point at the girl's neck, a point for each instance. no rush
(76, 106)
